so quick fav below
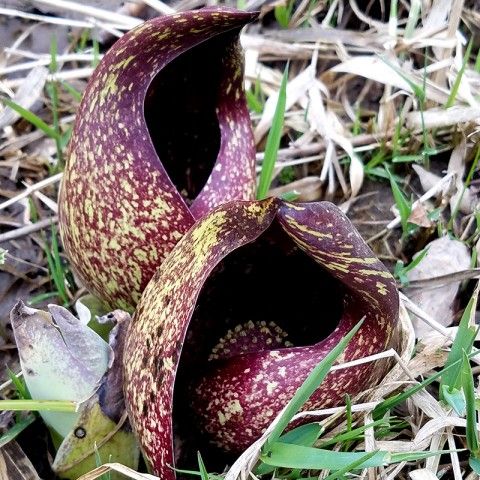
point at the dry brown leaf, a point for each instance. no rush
(453, 189)
(427, 178)
(266, 46)
(319, 33)
(327, 124)
(377, 69)
(437, 15)
(419, 216)
(15, 465)
(444, 256)
(356, 174)
(441, 117)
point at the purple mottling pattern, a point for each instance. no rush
(120, 214)
(240, 395)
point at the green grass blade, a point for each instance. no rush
(283, 13)
(30, 117)
(309, 386)
(458, 79)
(66, 135)
(413, 16)
(463, 342)
(76, 95)
(59, 270)
(273, 140)
(56, 280)
(201, 466)
(96, 53)
(65, 406)
(456, 399)
(83, 40)
(195, 473)
(401, 270)
(377, 159)
(352, 434)
(296, 456)
(419, 91)
(253, 102)
(348, 414)
(255, 99)
(305, 435)
(18, 428)
(357, 124)
(419, 257)
(290, 196)
(99, 462)
(53, 54)
(393, 18)
(477, 62)
(415, 456)
(41, 297)
(404, 206)
(390, 403)
(474, 465)
(471, 412)
(407, 158)
(55, 266)
(201, 473)
(352, 466)
(19, 384)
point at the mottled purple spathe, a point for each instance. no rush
(120, 213)
(240, 395)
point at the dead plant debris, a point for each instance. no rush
(382, 118)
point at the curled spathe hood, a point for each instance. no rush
(235, 392)
(162, 135)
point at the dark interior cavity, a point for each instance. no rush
(180, 114)
(269, 280)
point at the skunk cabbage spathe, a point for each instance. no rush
(162, 135)
(215, 319)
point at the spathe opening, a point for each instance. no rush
(180, 112)
(270, 280)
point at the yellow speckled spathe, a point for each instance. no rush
(162, 318)
(240, 395)
(120, 213)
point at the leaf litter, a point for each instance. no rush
(367, 91)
